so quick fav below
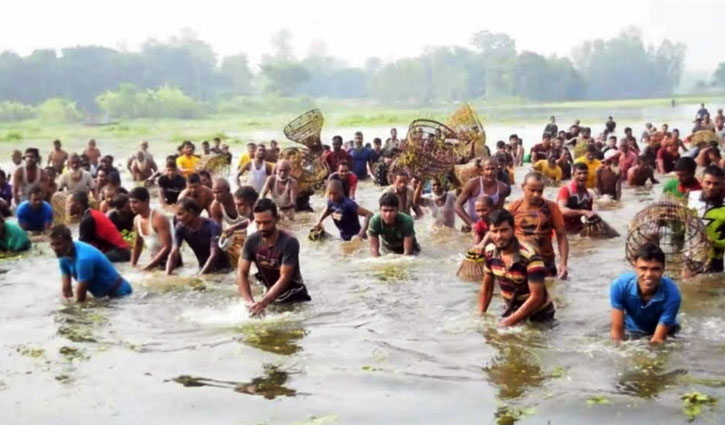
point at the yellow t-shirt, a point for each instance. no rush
(186, 164)
(593, 167)
(542, 166)
(243, 160)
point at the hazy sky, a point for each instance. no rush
(353, 31)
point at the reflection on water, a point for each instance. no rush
(646, 376)
(277, 340)
(79, 323)
(270, 385)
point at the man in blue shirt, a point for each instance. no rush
(88, 266)
(344, 212)
(35, 215)
(362, 158)
(645, 302)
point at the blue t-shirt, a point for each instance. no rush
(90, 265)
(30, 219)
(661, 308)
(344, 215)
(360, 160)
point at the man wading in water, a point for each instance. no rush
(28, 176)
(394, 228)
(275, 253)
(153, 230)
(283, 189)
(476, 187)
(519, 271)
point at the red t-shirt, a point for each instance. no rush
(668, 159)
(333, 159)
(481, 228)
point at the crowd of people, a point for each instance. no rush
(515, 237)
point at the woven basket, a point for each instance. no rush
(308, 169)
(306, 129)
(465, 172)
(597, 228)
(59, 202)
(703, 136)
(233, 246)
(677, 230)
(471, 268)
(429, 151)
(468, 129)
(216, 165)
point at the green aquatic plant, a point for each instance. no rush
(30, 351)
(391, 273)
(692, 404)
(71, 353)
(506, 415)
(597, 399)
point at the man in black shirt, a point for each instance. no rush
(170, 184)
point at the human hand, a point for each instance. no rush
(466, 228)
(257, 309)
(563, 272)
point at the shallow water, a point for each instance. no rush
(388, 341)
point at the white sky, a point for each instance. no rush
(354, 31)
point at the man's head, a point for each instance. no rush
(483, 206)
(337, 143)
(551, 159)
(389, 205)
(552, 119)
(220, 189)
(685, 169)
(266, 217)
(193, 183)
(393, 133)
(143, 146)
(377, 143)
(138, 199)
(51, 174)
(649, 265)
(500, 145)
(56, 144)
(61, 241)
(546, 140)
(343, 169)
(171, 169)
(591, 153)
(187, 148)
(627, 131)
(205, 177)
(284, 167)
(187, 211)
(217, 142)
(78, 203)
(74, 162)
(16, 157)
(490, 169)
(32, 155)
(358, 139)
(251, 148)
(244, 199)
(501, 228)
(713, 183)
(437, 186)
(401, 181)
(205, 147)
(334, 190)
(612, 142)
(92, 143)
(533, 188)
(36, 198)
(581, 173)
(121, 202)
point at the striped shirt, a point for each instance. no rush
(526, 266)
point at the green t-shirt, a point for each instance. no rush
(673, 188)
(392, 236)
(14, 238)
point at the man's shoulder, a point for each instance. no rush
(625, 281)
(670, 287)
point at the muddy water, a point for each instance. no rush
(387, 341)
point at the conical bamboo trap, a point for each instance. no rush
(308, 169)
(216, 165)
(469, 130)
(429, 151)
(471, 268)
(597, 228)
(306, 129)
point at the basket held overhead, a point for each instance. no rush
(429, 150)
(216, 165)
(306, 129)
(469, 130)
(308, 169)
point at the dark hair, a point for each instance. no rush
(193, 178)
(591, 149)
(188, 143)
(37, 190)
(247, 193)
(533, 175)
(265, 204)
(513, 136)
(626, 129)
(139, 193)
(114, 178)
(500, 144)
(119, 200)
(401, 173)
(33, 151)
(581, 166)
(546, 135)
(82, 198)
(2, 174)
(205, 143)
(686, 164)
(389, 200)
(377, 141)
(336, 139)
(715, 171)
(170, 163)
(343, 162)
(62, 232)
(205, 173)
(499, 217)
(190, 204)
(650, 252)
(358, 133)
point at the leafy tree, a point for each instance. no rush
(718, 78)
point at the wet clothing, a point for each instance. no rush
(34, 220)
(151, 239)
(626, 161)
(404, 205)
(333, 159)
(172, 187)
(662, 308)
(344, 215)
(575, 201)
(122, 220)
(269, 261)
(536, 226)
(256, 177)
(347, 185)
(98, 230)
(89, 265)
(83, 184)
(676, 189)
(713, 216)
(187, 164)
(445, 214)
(554, 174)
(526, 267)
(14, 238)
(392, 237)
(26, 185)
(668, 159)
(201, 242)
(360, 159)
(281, 199)
(539, 152)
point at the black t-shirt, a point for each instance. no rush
(201, 241)
(122, 220)
(269, 260)
(172, 187)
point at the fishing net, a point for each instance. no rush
(429, 151)
(597, 228)
(306, 129)
(308, 169)
(471, 268)
(468, 129)
(216, 165)
(677, 230)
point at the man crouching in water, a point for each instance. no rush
(519, 271)
(276, 255)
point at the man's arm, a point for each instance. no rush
(215, 212)
(408, 245)
(163, 230)
(266, 188)
(326, 213)
(537, 296)
(286, 271)
(374, 246)
(293, 191)
(461, 201)
(563, 243)
(17, 183)
(617, 327)
(660, 334)
(81, 291)
(486, 292)
(66, 286)
(366, 222)
(137, 244)
(214, 254)
(243, 285)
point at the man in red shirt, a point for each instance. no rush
(667, 155)
(98, 230)
(348, 179)
(336, 155)
(541, 150)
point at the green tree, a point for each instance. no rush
(718, 78)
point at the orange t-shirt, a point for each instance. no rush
(537, 225)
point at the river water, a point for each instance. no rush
(387, 341)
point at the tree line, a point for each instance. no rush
(184, 77)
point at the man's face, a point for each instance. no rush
(56, 145)
(283, 171)
(358, 139)
(546, 143)
(649, 273)
(712, 187)
(482, 210)
(75, 163)
(36, 201)
(344, 171)
(401, 182)
(436, 187)
(683, 176)
(61, 247)
(102, 178)
(502, 235)
(219, 191)
(170, 172)
(581, 177)
(184, 216)
(533, 191)
(243, 208)
(31, 159)
(337, 145)
(489, 170)
(192, 188)
(388, 214)
(188, 150)
(266, 223)
(17, 158)
(393, 133)
(250, 150)
(137, 206)
(590, 156)
(334, 194)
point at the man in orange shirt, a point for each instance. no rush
(536, 221)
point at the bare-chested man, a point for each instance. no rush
(223, 209)
(282, 188)
(93, 153)
(608, 179)
(57, 157)
(640, 173)
(142, 167)
(200, 193)
(28, 176)
(485, 185)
